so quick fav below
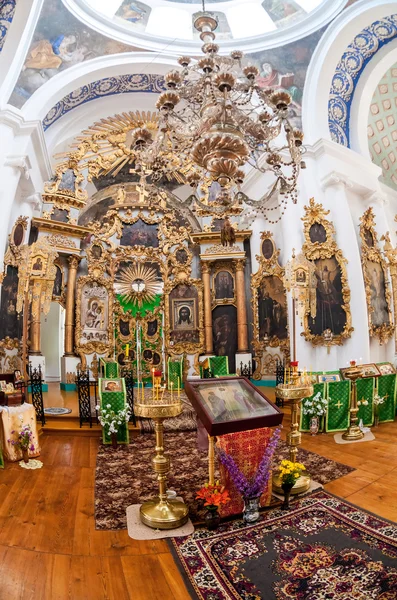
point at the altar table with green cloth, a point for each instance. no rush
(116, 400)
(109, 368)
(337, 393)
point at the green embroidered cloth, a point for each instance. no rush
(219, 365)
(112, 395)
(338, 394)
(386, 388)
(109, 368)
(175, 372)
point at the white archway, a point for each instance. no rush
(340, 33)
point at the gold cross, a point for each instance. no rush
(386, 396)
(338, 404)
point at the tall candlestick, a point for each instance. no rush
(172, 385)
(153, 382)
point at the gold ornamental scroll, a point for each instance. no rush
(70, 302)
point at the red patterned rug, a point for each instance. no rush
(322, 548)
(125, 476)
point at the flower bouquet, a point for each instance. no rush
(251, 490)
(289, 472)
(315, 408)
(111, 421)
(214, 496)
(24, 442)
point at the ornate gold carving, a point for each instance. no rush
(219, 249)
(370, 252)
(64, 228)
(36, 274)
(65, 189)
(61, 241)
(391, 254)
(13, 254)
(137, 283)
(180, 262)
(325, 248)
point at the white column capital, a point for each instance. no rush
(334, 179)
(377, 197)
(21, 162)
(35, 200)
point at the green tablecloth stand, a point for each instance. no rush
(175, 372)
(338, 394)
(108, 368)
(365, 391)
(117, 401)
(386, 388)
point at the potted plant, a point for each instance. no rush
(214, 496)
(289, 472)
(316, 408)
(112, 420)
(24, 442)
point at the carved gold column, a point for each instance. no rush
(391, 254)
(205, 270)
(242, 328)
(70, 302)
(35, 335)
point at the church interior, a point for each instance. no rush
(198, 343)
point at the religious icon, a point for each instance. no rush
(224, 319)
(140, 234)
(152, 327)
(272, 308)
(17, 376)
(10, 324)
(94, 315)
(369, 238)
(94, 312)
(300, 276)
(267, 248)
(183, 301)
(111, 385)
(224, 285)
(60, 214)
(96, 251)
(330, 378)
(135, 12)
(37, 264)
(156, 358)
(57, 289)
(148, 355)
(181, 256)
(18, 235)
(317, 233)
(380, 313)
(386, 369)
(3, 385)
(330, 312)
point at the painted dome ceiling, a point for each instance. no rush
(382, 126)
(152, 24)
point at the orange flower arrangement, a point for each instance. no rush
(214, 495)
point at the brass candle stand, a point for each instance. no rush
(353, 432)
(161, 512)
(294, 392)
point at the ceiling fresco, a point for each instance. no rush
(382, 126)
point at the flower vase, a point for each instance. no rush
(251, 509)
(113, 437)
(376, 418)
(287, 487)
(212, 518)
(314, 425)
(25, 455)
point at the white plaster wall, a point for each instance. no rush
(52, 342)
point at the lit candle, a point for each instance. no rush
(127, 350)
(153, 382)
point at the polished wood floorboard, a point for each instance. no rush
(49, 548)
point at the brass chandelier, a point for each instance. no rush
(216, 118)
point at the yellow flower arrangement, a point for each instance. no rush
(290, 471)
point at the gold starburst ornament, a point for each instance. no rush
(137, 284)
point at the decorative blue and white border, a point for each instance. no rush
(109, 86)
(7, 11)
(348, 72)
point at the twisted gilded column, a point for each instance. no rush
(242, 328)
(205, 270)
(35, 324)
(70, 302)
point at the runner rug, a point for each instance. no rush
(323, 547)
(125, 476)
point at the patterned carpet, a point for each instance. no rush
(323, 548)
(125, 476)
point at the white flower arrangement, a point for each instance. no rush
(316, 406)
(378, 400)
(111, 420)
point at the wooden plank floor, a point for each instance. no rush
(49, 548)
